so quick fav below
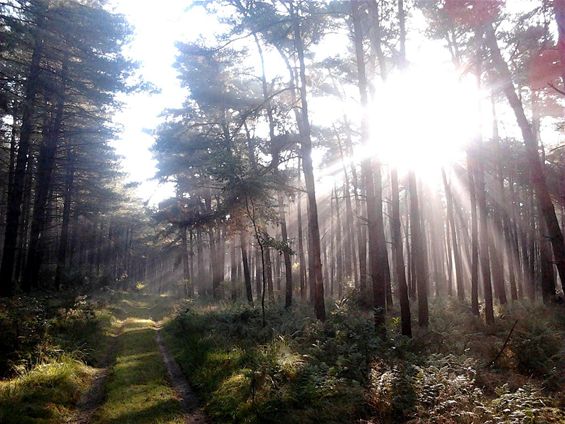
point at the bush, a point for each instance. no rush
(293, 370)
(38, 329)
(24, 329)
(539, 349)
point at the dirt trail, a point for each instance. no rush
(195, 415)
(94, 397)
(141, 382)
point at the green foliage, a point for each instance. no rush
(81, 330)
(23, 325)
(294, 370)
(446, 373)
(46, 394)
(137, 390)
(37, 330)
(66, 335)
(300, 370)
(538, 347)
(446, 389)
(279, 245)
(49, 342)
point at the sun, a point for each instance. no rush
(423, 118)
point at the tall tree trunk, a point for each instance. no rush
(213, 265)
(184, 258)
(258, 272)
(16, 194)
(351, 263)
(314, 251)
(474, 236)
(300, 236)
(99, 246)
(484, 246)
(455, 251)
(286, 255)
(268, 272)
(377, 248)
(191, 273)
(360, 226)
(543, 197)
(331, 235)
(44, 172)
(418, 251)
(11, 170)
(339, 246)
(405, 316)
(246, 270)
(233, 269)
(64, 239)
(200, 262)
(546, 267)
(25, 217)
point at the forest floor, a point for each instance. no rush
(123, 357)
(132, 380)
(298, 370)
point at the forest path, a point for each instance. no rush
(140, 387)
(195, 415)
(94, 397)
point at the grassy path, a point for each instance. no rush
(130, 378)
(195, 415)
(94, 396)
(138, 390)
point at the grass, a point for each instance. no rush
(138, 391)
(53, 374)
(53, 344)
(50, 349)
(297, 370)
(46, 394)
(285, 373)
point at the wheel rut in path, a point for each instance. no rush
(94, 397)
(194, 414)
(140, 383)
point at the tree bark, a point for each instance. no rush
(455, 251)
(64, 239)
(377, 249)
(233, 269)
(15, 195)
(418, 252)
(286, 255)
(543, 196)
(405, 316)
(184, 258)
(246, 270)
(314, 251)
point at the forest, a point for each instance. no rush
(365, 221)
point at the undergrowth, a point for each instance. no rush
(46, 394)
(297, 370)
(38, 329)
(48, 348)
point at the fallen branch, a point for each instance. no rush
(556, 89)
(503, 346)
